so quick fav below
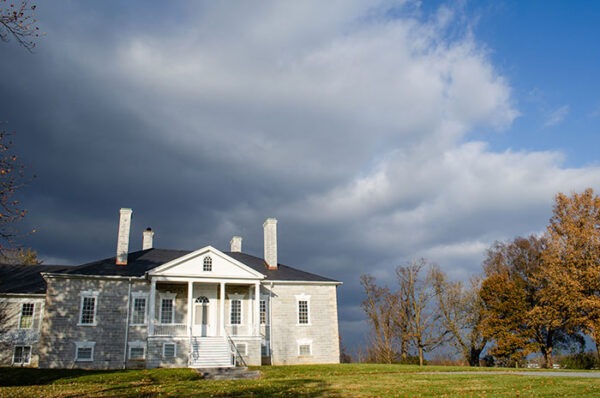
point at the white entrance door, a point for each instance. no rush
(202, 324)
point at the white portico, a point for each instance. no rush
(205, 296)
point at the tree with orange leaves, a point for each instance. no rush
(572, 262)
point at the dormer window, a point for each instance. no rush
(207, 266)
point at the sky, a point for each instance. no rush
(376, 132)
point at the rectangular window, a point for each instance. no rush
(22, 355)
(169, 350)
(167, 313)
(263, 312)
(26, 321)
(136, 353)
(138, 315)
(303, 312)
(304, 349)
(88, 310)
(242, 348)
(84, 351)
(236, 312)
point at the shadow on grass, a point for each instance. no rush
(154, 383)
(13, 377)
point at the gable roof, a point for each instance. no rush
(140, 262)
(26, 279)
(282, 273)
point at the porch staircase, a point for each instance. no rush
(211, 352)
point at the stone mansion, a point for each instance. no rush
(168, 308)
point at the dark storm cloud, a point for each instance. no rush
(347, 125)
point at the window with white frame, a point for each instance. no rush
(84, 351)
(87, 315)
(242, 348)
(304, 347)
(167, 308)
(137, 351)
(27, 313)
(169, 350)
(236, 312)
(22, 355)
(207, 265)
(263, 312)
(138, 310)
(303, 308)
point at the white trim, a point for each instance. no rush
(264, 299)
(136, 296)
(207, 250)
(136, 344)
(242, 299)
(304, 342)
(166, 296)
(268, 282)
(88, 294)
(84, 344)
(207, 262)
(21, 315)
(299, 298)
(14, 352)
(174, 344)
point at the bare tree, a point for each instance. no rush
(379, 306)
(424, 320)
(462, 314)
(17, 21)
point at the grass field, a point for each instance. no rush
(352, 380)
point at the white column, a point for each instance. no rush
(257, 308)
(152, 315)
(222, 310)
(190, 306)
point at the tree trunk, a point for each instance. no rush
(547, 350)
(474, 354)
(421, 355)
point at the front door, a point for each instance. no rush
(201, 316)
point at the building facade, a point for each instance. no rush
(168, 308)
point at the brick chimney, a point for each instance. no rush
(147, 239)
(123, 237)
(236, 244)
(270, 227)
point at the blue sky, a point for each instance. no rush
(376, 132)
(548, 52)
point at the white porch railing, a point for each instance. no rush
(170, 329)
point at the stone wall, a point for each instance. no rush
(61, 329)
(11, 335)
(321, 333)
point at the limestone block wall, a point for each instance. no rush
(156, 359)
(321, 334)
(61, 329)
(11, 335)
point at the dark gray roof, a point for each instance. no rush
(26, 278)
(138, 263)
(282, 273)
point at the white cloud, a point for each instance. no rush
(556, 116)
(347, 122)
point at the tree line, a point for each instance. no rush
(535, 294)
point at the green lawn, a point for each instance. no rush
(353, 380)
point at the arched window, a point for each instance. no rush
(202, 300)
(207, 264)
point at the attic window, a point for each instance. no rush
(207, 266)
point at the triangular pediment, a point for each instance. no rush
(193, 265)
